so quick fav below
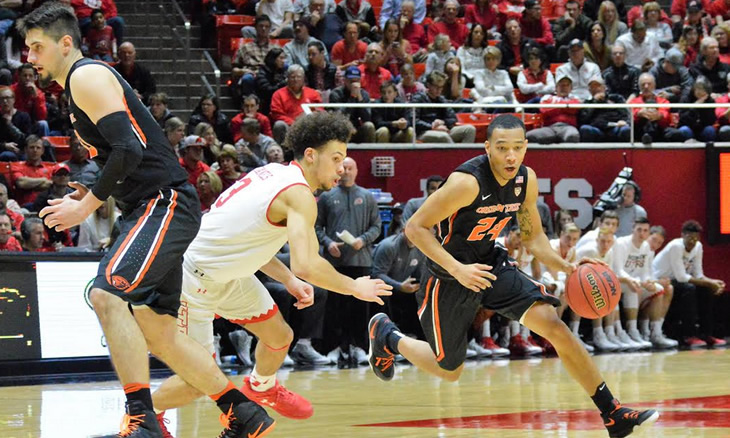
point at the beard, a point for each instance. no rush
(45, 81)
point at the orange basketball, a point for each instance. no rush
(592, 291)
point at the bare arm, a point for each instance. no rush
(28, 183)
(278, 271)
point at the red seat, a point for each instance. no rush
(281, 42)
(229, 26)
(492, 42)
(466, 93)
(479, 120)
(419, 68)
(58, 140)
(554, 66)
(63, 152)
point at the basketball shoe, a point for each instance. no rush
(381, 359)
(162, 421)
(496, 350)
(138, 422)
(285, 402)
(622, 421)
(246, 420)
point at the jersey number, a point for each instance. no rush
(240, 185)
(486, 226)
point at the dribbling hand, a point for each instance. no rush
(302, 291)
(475, 276)
(367, 289)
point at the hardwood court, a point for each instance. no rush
(525, 398)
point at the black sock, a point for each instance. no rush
(141, 393)
(232, 397)
(604, 399)
(392, 341)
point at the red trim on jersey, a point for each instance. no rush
(298, 165)
(644, 304)
(274, 199)
(263, 317)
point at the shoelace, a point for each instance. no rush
(163, 421)
(130, 423)
(633, 415)
(384, 362)
(226, 420)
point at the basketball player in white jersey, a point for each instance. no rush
(241, 234)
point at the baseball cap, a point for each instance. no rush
(352, 72)
(575, 42)
(694, 6)
(674, 57)
(61, 167)
(529, 4)
(192, 140)
(563, 75)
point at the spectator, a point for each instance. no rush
(455, 80)
(8, 243)
(412, 30)
(34, 239)
(83, 170)
(352, 92)
(433, 183)
(296, 49)
(661, 31)
(695, 294)
(303, 8)
(536, 27)
(394, 9)
(228, 171)
(709, 65)
(681, 8)
(175, 132)
(492, 85)
(84, 9)
(471, 54)
(719, 10)
(209, 186)
(673, 80)
(286, 103)
(694, 20)
(251, 148)
(609, 17)
(350, 50)
(95, 232)
(652, 124)
(158, 108)
(628, 210)
(275, 154)
(281, 14)
(59, 120)
(15, 217)
(31, 176)
(563, 218)
(621, 78)
(698, 123)
(60, 177)
(191, 152)
(591, 9)
(512, 47)
(250, 109)
(609, 124)
(720, 33)
(560, 125)
(657, 236)
(608, 220)
(348, 207)
(99, 40)
(636, 13)
(393, 124)
(357, 11)
(484, 14)
(689, 45)
(30, 99)
(323, 25)
(449, 25)
(536, 80)
(320, 74)
(436, 125)
(642, 50)
(208, 111)
(723, 116)
(271, 77)
(212, 144)
(436, 60)
(570, 26)
(14, 126)
(409, 86)
(249, 58)
(372, 73)
(596, 50)
(397, 49)
(137, 75)
(579, 70)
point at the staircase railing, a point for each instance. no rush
(172, 18)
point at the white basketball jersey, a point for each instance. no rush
(236, 237)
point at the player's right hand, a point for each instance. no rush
(368, 289)
(475, 276)
(334, 249)
(79, 193)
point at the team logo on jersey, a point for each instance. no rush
(518, 190)
(358, 201)
(120, 282)
(71, 116)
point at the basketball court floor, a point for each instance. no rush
(505, 399)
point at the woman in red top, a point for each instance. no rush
(689, 44)
(229, 171)
(209, 186)
(482, 12)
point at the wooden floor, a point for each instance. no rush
(525, 398)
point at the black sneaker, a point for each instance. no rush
(622, 421)
(246, 420)
(382, 360)
(138, 422)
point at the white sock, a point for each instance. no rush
(617, 326)
(261, 383)
(610, 331)
(486, 330)
(656, 327)
(597, 330)
(644, 324)
(661, 320)
(574, 326)
(525, 332)
(514, 328)
(306, 342)
(631, 325)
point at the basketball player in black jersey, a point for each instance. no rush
(136, 293)
(466, 270)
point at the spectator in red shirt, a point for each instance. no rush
(99, 40)
(7, 241)
(286, 103)
(350, 50)
(191, 151)
(30, 99)
(84, 8)
(413, 32)
(373, 75)
(15, 217)
(209, 186)
(637, 13)
(679, 8)
(250, 108)
(482, 12)
(560, 125)
(652, 124)
(449, 25)
(228, 170)
(537, 28)
(31, 176)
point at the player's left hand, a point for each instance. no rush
(62, 214)
(302, 291)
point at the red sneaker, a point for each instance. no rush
(546, 346)
(162, 421)
(716, 342)
(694, 342)
(518, 346)
(489, 344)
(280, 399)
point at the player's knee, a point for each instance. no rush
(279, 338)
(103, 302)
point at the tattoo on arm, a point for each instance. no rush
(524, 220)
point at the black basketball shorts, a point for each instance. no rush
(448, 309)
(144, 266)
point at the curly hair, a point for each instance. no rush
(316, 130)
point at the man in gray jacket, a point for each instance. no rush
(673, 80)
(432, 184)
(348, 207)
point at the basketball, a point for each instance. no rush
(592, 291)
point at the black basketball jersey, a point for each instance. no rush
(469, 234)
(159, 166)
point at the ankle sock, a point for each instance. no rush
(139, 392)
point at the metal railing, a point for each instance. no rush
(171, 19)
(216, 71)
(307, 107)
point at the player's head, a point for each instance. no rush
(319, 143)
(569, 235)
(506, 146)
(657, 236)
(52, 34)
(691, 233)
(605, 240)
(641, 229)
(609, 219)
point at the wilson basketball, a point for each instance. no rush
(592, 291)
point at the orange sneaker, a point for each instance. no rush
(286, 403)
